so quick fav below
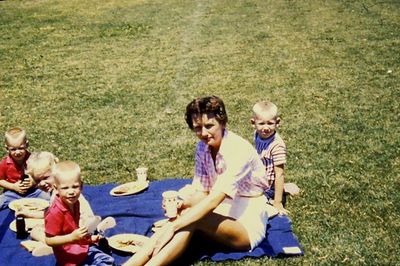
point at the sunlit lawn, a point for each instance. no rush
(105, 83)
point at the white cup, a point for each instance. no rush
(141, 174)
(170, 202)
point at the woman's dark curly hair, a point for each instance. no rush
(206, 105)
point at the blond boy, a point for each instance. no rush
(72, 245)
(15, 183)
(271, 148)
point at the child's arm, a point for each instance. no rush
(76, 235)
(279, 183)
(18, 187)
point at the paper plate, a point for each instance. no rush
(127, 242)
(129, 188)
(31, 204)
(29, 224)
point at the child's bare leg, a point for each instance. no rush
(38, 234)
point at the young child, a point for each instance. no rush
(39, 166)
(272, 150)
(15, 183)
(72, 245)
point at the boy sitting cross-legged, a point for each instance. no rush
(72, 245)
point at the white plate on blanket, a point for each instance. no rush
(29, 224)
(30, 204)
(129, 188)
(127, 242)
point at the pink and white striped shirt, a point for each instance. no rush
(238, 169)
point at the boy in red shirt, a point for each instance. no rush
(15, 183)
(72, 245)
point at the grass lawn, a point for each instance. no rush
(105, 83)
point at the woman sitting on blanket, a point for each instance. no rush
(228, 205)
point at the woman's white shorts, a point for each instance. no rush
(250, 212)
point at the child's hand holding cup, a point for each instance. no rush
(170, 203)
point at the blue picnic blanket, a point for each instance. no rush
(136, 214)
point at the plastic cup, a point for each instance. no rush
(170, 202)
(141, 174)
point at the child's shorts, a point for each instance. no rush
(250, 212)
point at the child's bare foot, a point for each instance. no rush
(42, 250)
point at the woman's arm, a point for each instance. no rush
(191, 196)
(193, 214)
(196, 212)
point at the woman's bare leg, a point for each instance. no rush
(142, 255)
(224, 230)
(172, 250)
(219, 228)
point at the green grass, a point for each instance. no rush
(106, 84)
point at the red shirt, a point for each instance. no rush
(10, 170)
(59, 220)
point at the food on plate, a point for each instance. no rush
(127, 242)
(121, 190)
(129, 188)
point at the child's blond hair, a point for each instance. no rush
(39, 163)
(66, 169)
(15, 133)
(264, 107)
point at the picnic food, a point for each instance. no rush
(127, 242)
(121, 190)
(30, 204)
(129, 188)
